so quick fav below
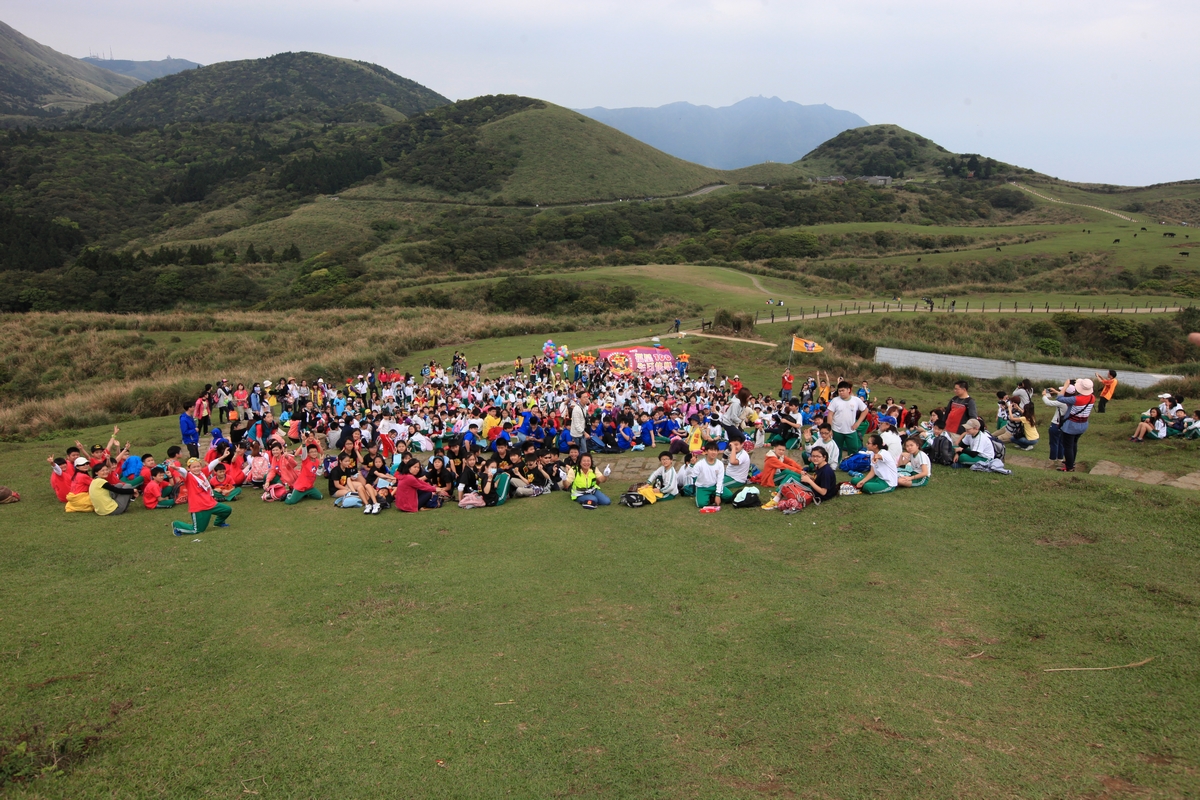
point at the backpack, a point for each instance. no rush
(998, 446)
(259, 467)
(632, 499)
(859, 462)
(793, 497)
(747, 498)
(942, 451)
(276, 491)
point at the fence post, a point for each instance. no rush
(872, 308)
(772, 317)
(968, 305)
(789, 313)
(1093, 308)
(1106, 308)
(755, 317)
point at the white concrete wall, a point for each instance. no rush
(1016, 370)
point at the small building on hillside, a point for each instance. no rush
(877, 180)
(838, 179)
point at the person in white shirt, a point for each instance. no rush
(891, 439)
(844, 414)
(708, 477)
(915, 468)
(823, 438)
(665, 478)
(974, 445)
(883, 475)
(737, 470)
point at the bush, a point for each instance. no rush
(1050, 347)
(735, 322)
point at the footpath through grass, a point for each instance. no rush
(886, 646)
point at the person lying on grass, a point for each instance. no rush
(882, 477)
(914, 465)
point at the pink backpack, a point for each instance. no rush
(276, 491)
(259, 467)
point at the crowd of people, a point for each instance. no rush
(412, 442)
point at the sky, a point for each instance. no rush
(1097, 91)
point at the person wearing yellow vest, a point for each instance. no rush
(585, 487)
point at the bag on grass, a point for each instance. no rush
(942, 451)
(472, 500)
(632, 499)
(998, 446)
(276, 491)
(858, 462)
(351, 500)
(795, 493)
(747, 497)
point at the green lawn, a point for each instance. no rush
(889, 646)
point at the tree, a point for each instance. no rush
(251, 256)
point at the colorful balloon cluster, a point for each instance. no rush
(559, 353)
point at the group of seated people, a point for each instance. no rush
(1167, 420)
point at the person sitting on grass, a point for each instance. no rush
(777, 468)
(891, 439)
(737, 469)
(1026, 420)
(79, 499)
(823, 482)
(708, 478)
(343, 477)
(973, 445)
(1153, 426)
(412, 493)
(1192, 429)
(109, 496)
(304, 484)
(157, 489)
(201, 504)
(585, 486)
(665, 479)
(821, 437)
(224, 489)
(915, 467)
(882, 477)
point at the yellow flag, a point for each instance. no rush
(805, 346)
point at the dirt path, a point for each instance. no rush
(1065, 203)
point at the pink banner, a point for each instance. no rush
(649, 360)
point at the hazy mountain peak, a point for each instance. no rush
(750, 131)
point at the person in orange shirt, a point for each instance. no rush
(152, 490)
(1107, 387)
(201, 503)
(306, 475)
(778, 467)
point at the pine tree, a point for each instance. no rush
(251, 257)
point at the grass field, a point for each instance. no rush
(889, 646)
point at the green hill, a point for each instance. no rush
(305, 85)
(36, 81)
(891, 150)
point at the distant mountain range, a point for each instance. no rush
(36, 81)
(752, 131)
(143, 70)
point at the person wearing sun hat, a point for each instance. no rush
(201, 503)
(1076, 411)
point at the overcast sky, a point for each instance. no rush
(1088, 90)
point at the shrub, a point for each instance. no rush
(1050, 347)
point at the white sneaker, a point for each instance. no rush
(366, 508)
(375, 508)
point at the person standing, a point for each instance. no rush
(785, 393)
(960, 409)
(1078, 410)
(732, 417)
(579, 423)
(844, 414)
(1108, 386)
(189, 432)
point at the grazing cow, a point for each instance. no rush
(1143, 229)
(1116, 241)
(1135, 236)
(1184, 253)
(997, 249)
(1171, 234)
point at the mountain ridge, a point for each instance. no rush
(38, 81)
(752, 131)
(142, 70)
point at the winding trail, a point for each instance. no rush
(1065, 203)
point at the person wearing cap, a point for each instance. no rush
(1077, 410)
(78, 497)
(974, 445)
(891, 439)
(201, 504)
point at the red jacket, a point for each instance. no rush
(406, 490)
(307, 475)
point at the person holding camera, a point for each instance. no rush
(1077, 410)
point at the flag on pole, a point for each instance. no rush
(805, 346)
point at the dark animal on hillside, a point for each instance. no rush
(997, 249)
(1185, 253)
(918, 260)
(1143, 229)
(1116, 241)
(1172, 235)
(1135, 236)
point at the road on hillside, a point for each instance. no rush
(1065, 203)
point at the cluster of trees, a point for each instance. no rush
(540, 296)
(1157, 341)
(34, 243)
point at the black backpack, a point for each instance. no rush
(942, 451)
(749, 500)
(633, 500)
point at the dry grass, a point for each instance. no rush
(76, 370)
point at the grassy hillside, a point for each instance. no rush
(565, 156)
(891, 150)
(310, 85)
(36, 81)
(1165, 203)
